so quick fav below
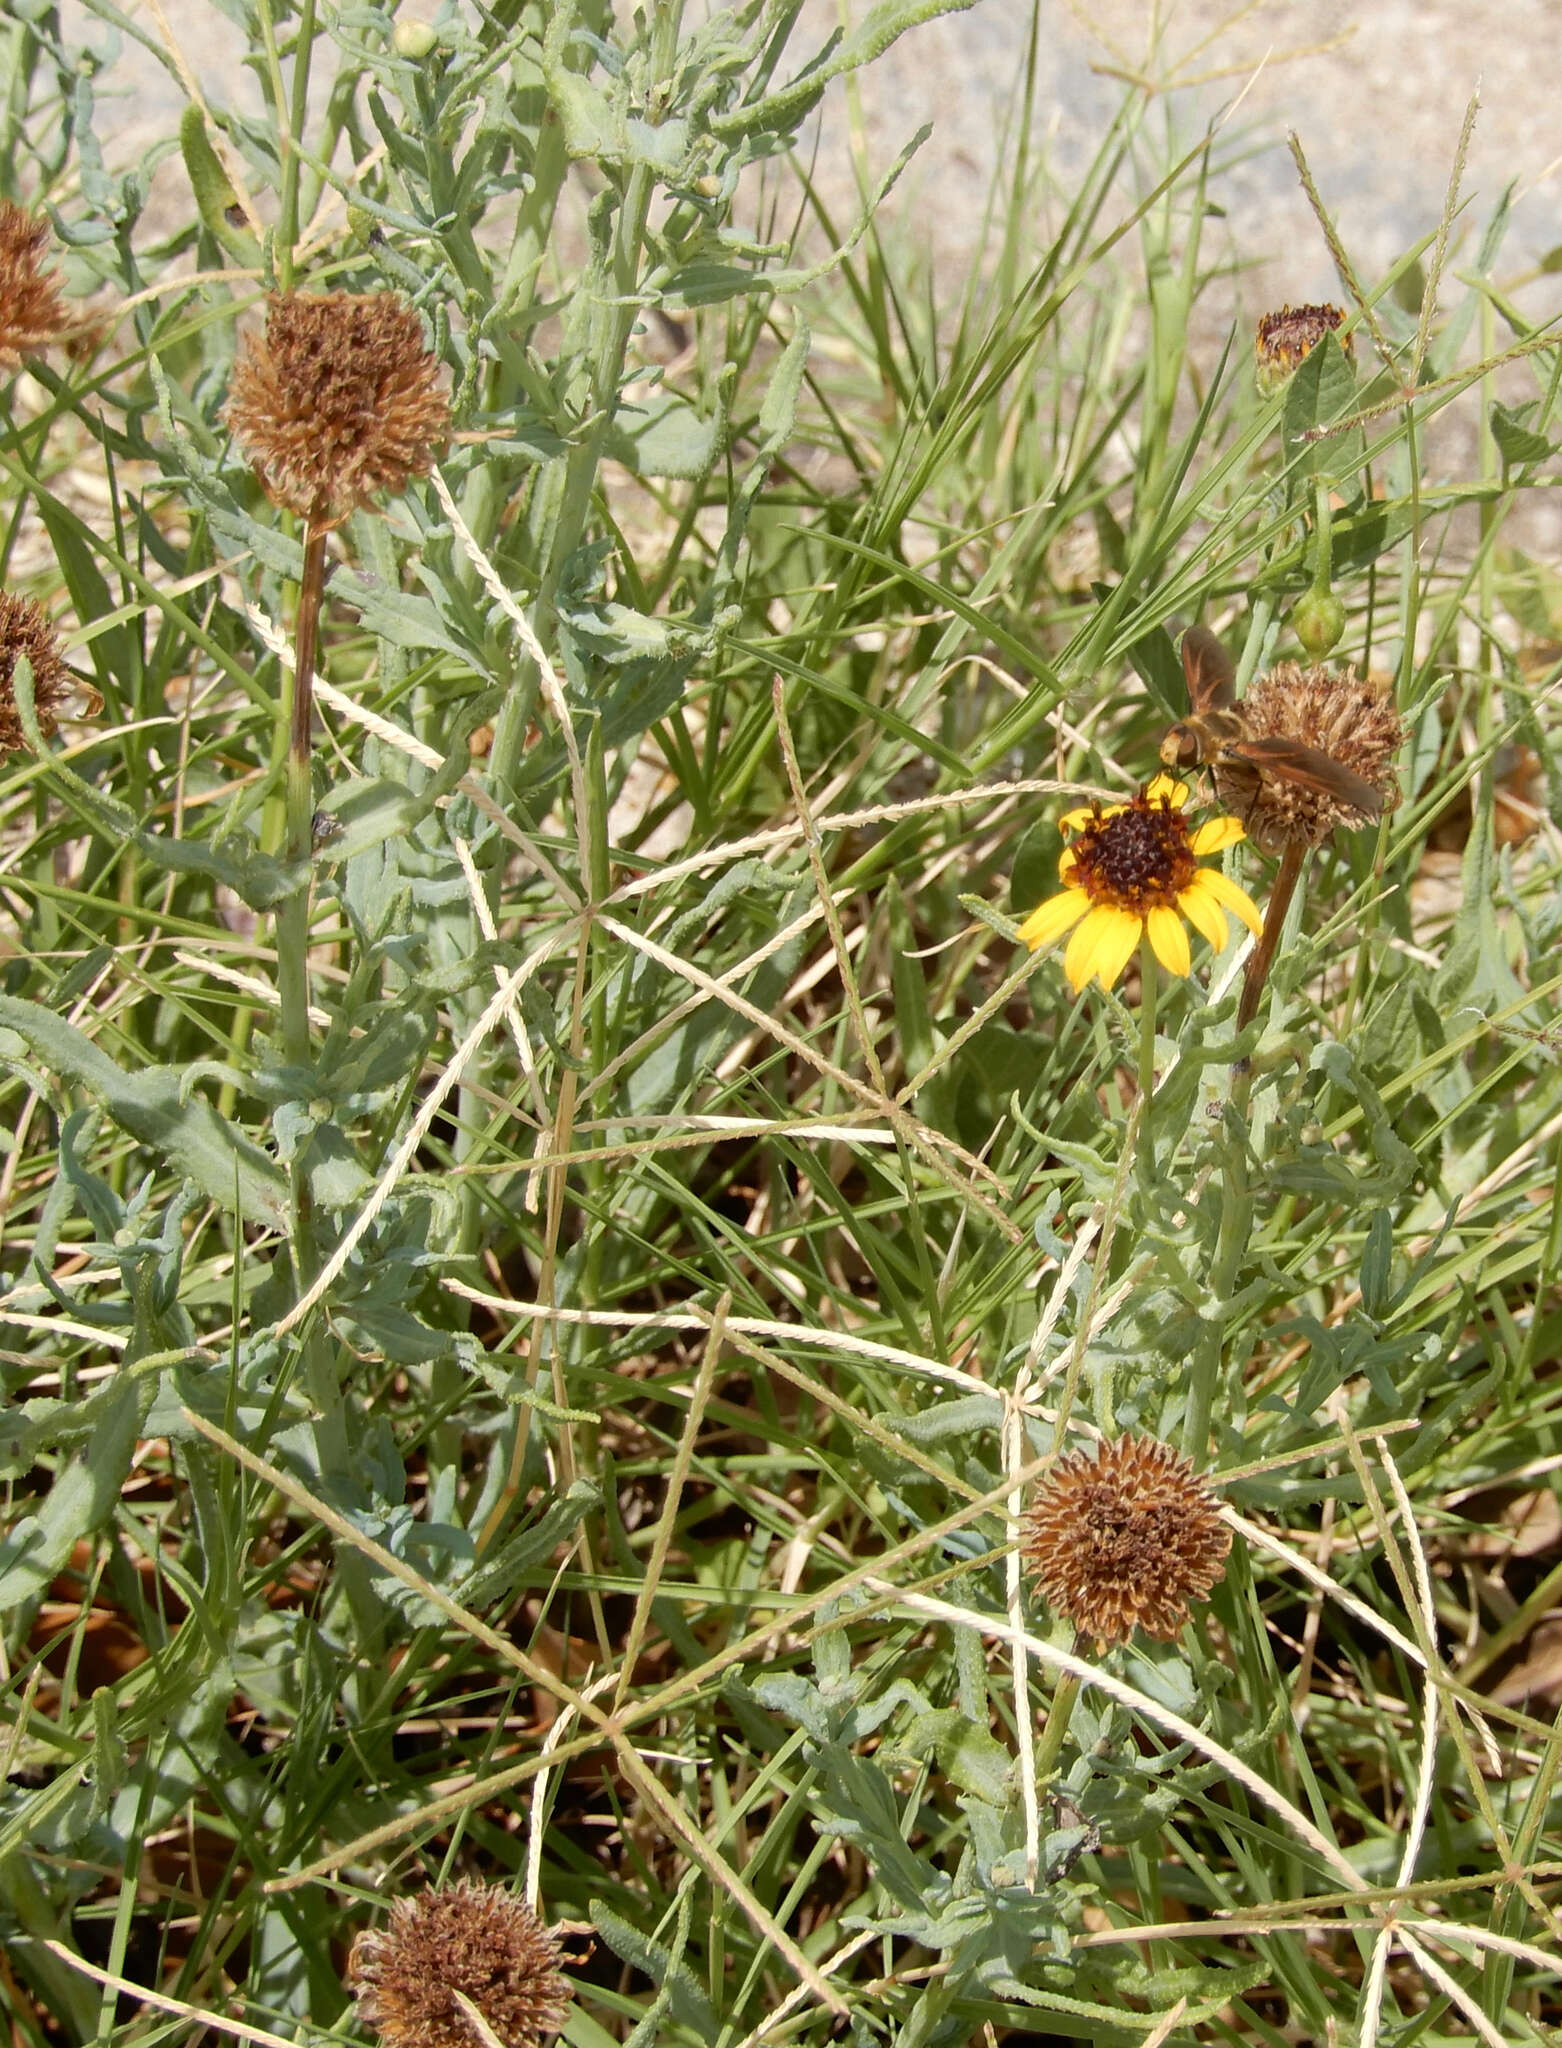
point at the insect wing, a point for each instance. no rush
(1310, 768)
(1212, 678)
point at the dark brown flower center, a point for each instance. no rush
(1124, 1532)
(1139, 859)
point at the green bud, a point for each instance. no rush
(414, 39)
(1318, 621)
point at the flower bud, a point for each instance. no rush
(414, 39)
(1318, 621)
(1286, 339)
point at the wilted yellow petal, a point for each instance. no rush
(1204, 914)
(1054, 917)
(1169, 938)
(1226, 893)
(1076, 820)
(1216, 834)
(1103, 946)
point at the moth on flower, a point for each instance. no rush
(1132, 870)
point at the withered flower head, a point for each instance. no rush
(25, 629)
(338, 401)
(31, 314)
(1125, 1539)
(1342, 715)
(1287, 338)
(473, 1938)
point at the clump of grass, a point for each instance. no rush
(554, 1230)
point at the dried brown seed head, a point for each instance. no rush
(339, 401)
(31, 312)
(474, 1938)
(1343, 715)
(1286, 339)
(1125, 1539)
(25, 629)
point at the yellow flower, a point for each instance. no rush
(1133, 868)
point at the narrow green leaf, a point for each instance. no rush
(190, 1137)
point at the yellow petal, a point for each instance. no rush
(1204, 914)
(1169, 937)
(1067, 863)
(1216, 834)
(1163, 785)
(1054, 918)
(1087, 814)
(1227, 894)
(1103, 946)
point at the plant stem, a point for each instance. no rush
(1323, 534)
(1059, 1714)
(1236, 1217)
(293, 912)
(1274, 918)
(297, 118)
(1236, 1222)
(1149, 991)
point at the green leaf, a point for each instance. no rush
(214, 193)
(1377, 1261)
(665, 436)
(190, 1137)
(1516, 442)
(1322, 391)
(618, 634)
(253, 876)
(601, 126)
(879, 27)
(689, 2004)
(400, 617)
(369, 810)
(80, 1499)
(499, 1576)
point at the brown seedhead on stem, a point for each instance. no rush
(1343, 716)
(32, 315)
(25, 630)
(338, 402)
(472, 1938)
(1124, 1538)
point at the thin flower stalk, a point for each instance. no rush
(336, 403)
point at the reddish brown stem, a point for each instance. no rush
(306, 636)
(1274, 918)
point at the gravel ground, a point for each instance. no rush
(1376, 89)
(1378, 97)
